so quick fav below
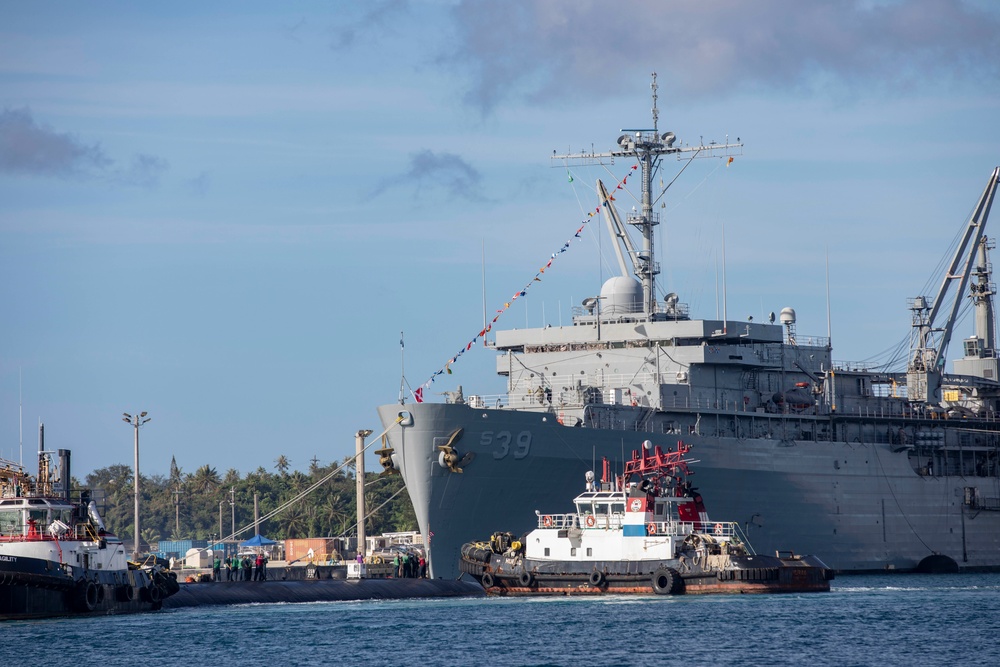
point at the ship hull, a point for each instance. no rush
(859, 506)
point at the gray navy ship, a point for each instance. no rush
(872, 469)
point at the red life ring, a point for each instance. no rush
(547, 521)
(591, 521)
(651, 528)
(718, 529)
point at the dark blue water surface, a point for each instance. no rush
(864, 620)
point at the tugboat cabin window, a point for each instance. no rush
(10, 522)
(546, 551)
(601, 508)
(572, 551)
(618, 508)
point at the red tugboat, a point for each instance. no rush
(57, 558)
(644, 532)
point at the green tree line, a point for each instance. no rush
(187, 505)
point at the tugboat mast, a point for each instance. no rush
(648, 147)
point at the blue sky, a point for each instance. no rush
(226, 215)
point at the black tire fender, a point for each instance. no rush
(487, 580)
(85, 596)
(667, 581)
(525, 579)
(126, 593)
(596, 578)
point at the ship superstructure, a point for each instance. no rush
(872, 468)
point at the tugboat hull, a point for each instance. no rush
(34, 588)
(501, 576)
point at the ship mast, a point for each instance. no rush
(648, 147)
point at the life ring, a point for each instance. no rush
(547, 521)
(651, 528)
(718, 529)
(591, 521)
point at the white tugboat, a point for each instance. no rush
(56, 556)
(646, 531)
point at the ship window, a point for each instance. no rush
(10, 522)
(590, 552)
(40, 517)
(618, 508)
(601, 508)
(572, 551)
(546, 551)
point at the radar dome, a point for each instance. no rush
(621, 295)
(787, 316)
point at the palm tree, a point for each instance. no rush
(205, 479)
(282, 463)
(296, 522)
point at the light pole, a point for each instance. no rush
(177, 513)
(136, 422)
(591, 303)
(232, 506)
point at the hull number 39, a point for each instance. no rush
(503, 443)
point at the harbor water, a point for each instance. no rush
(864, 620)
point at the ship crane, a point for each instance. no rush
(648, 147)
(928, 342)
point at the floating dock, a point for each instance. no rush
(322, 590)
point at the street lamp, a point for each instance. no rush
(136, 422)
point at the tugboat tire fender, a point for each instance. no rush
(85, 596)
(525, 579)
(488, 581)
(596, 578)
(667, 581)
(126, 593)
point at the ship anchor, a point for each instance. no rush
(385, 459)
(450, 458)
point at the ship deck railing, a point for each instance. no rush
(722, 531)
(876, 407)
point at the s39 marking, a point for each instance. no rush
(503, 443)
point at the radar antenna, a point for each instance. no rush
(648, 146)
